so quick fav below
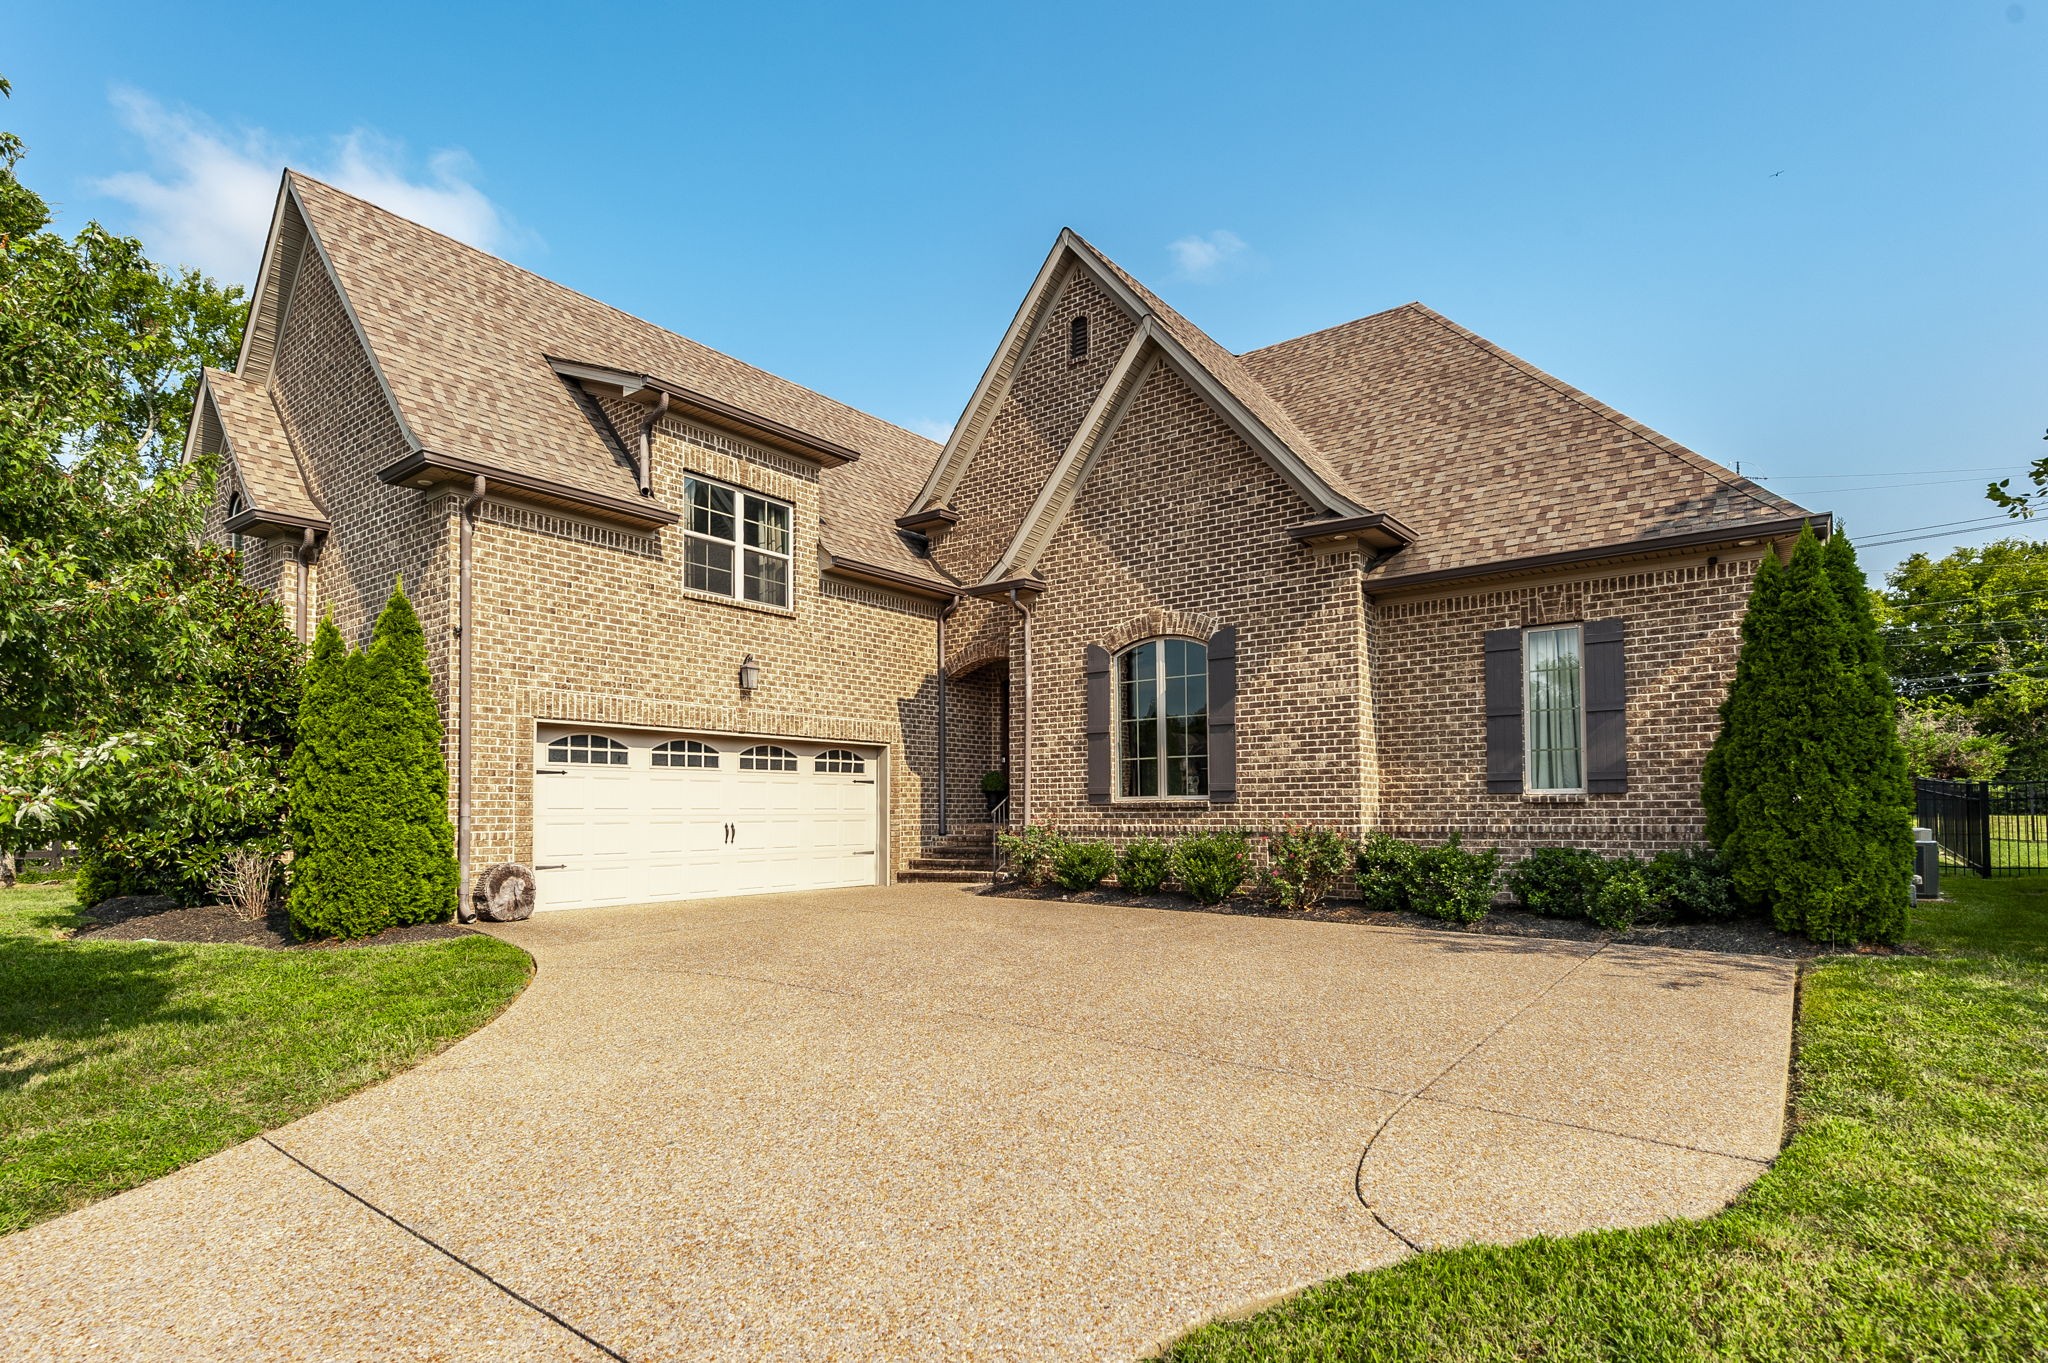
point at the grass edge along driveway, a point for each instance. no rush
(121, 1061)
(1906, 1218)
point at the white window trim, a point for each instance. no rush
(1116, 731)
(1529, 729)
(739, 546)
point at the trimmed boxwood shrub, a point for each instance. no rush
(1212, 866)
(1693, 884)
(1142, 867)
(1558, 882)
(1031, 854)
(1384, 864)
(1452, 884)
(1082, 865)
(1623, 896)
(1307, 863)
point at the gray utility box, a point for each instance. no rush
(1926, 864)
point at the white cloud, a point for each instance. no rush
(1203, 256)
(206, 198)
(941, 431)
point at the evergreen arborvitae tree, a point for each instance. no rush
(313, 776)
(1869, 736)
(1759, 624)
(382, 848)
(1800, 794)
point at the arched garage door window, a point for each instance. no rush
(767, 757)
(588, 750)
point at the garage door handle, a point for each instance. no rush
(552, 771)
(557, 866)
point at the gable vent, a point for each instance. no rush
(1077, 337)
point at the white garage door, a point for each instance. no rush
(624, 818)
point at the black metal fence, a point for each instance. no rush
(1995, 828)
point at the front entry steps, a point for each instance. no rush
(962, 856)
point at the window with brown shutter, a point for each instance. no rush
(1504, 711)
(1097, 666)
(1223, 716)
(1606, 708)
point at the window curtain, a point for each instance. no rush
(1555, 706)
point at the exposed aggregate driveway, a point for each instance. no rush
(913, 1122)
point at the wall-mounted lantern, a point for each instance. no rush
(750, 675)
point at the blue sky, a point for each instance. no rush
(1811, 237)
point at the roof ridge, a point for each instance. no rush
(1324, 331)
(1728, 478)
(634, 318)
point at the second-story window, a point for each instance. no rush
(735, 543)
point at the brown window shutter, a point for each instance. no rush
(1223, 716)
(1098, 724)
(1606, 709)
(1504, 711)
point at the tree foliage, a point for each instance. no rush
(1957, 624)
(373, 846)
(1806, 790)
(146, 694)
(1966, 636)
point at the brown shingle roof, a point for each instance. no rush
(463, 339)
(1485, 456)
(262, 451)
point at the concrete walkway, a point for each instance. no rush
(916, 1123)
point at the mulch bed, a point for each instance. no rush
(1743, 937)
(152, 918)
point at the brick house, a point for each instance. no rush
(698, 630)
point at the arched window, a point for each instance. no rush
(842, 761)
(767, 757)
(234, 510)
(1162, 710)
(593, 750)
(685, 752)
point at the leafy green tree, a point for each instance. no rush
(1942, 741)
(1954, 625)
(376, 848)
(1806, 802)
(146, 695)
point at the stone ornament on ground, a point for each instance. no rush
(504, 893)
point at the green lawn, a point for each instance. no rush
(1906, 1219)
(120, 1061)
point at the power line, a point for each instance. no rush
(1876, 473)
(1972, 600)
(1957, 532)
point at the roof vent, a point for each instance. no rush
(1077, 337)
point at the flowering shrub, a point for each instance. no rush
(1307, 863)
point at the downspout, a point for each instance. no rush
(944, 611)
(654, 417)
(305, 561)
(1023, 782)
(466, 594)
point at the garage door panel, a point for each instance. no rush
(616, 834)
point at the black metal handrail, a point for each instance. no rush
(998, 815)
